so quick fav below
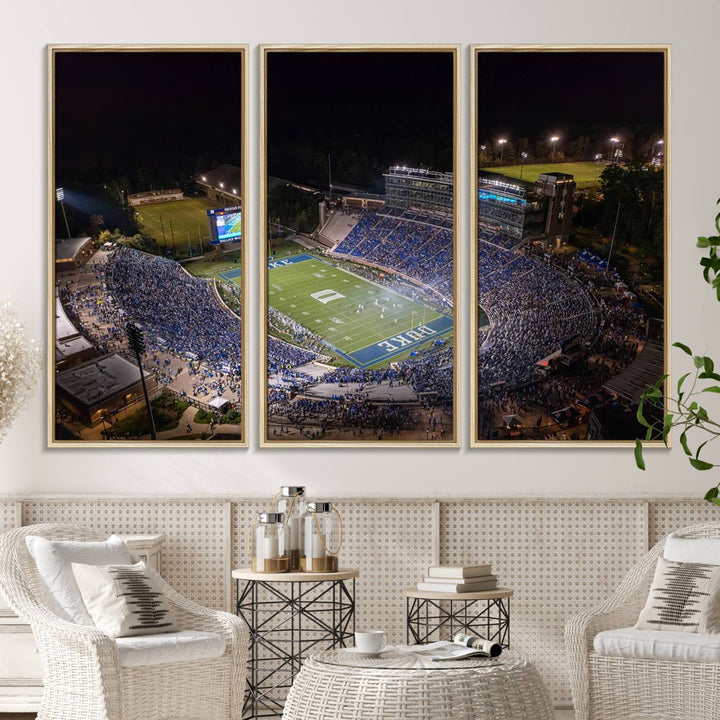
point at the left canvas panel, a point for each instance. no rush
(147, 236)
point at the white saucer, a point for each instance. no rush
(359, 653)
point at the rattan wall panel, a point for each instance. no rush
(668, 515)
(243, 514)
(391, 543)
(8, 518)
(559, 557)
(193, 556)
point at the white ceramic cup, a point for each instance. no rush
(372, 641)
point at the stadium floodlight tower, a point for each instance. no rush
(136, 344)
(553, 140)
(524, 157)
(659, 150)
(502, 142)
(613, 150)
(60, 197)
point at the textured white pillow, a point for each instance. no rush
(124, 600)
(692, 550)
(683, 597)
(54, 559)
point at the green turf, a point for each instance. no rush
(290, 288)
(285, 247)
(209, 268)
(189, 222)
(587, 174)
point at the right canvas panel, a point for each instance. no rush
(570, 254)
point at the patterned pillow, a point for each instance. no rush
(684, 597)
(124, 600)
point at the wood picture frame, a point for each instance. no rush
(358, 390)
(571, 384)
(128, 150)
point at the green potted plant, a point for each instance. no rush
(684, 410)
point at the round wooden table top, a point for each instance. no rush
(343, 574)
(496, 594)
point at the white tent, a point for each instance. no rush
(220, 404)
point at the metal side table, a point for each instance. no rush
(289, 616)
(439, 615)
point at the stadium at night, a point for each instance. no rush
(360, 318)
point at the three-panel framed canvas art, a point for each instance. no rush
(368, 332)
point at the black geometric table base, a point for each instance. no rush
(287, 620)
(430, 620)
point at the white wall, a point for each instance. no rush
(26, 466)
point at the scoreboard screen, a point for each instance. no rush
(225, 225)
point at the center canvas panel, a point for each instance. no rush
(359, 258)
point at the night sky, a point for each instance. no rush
(369, 109)
(177, 111)
(534, 94)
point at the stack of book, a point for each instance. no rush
(458, 579)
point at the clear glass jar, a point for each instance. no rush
(291, 503)
(269, 547)
(322, 538)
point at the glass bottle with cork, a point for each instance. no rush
(322, 537)
(291, 502)
(269, 546)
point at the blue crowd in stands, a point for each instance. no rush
(284, 356)
(380, 419)
(415, 244)
(533, 308)
(174, 309)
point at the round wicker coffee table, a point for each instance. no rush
(339, 685)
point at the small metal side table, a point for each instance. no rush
(290, 615)
(438, 615)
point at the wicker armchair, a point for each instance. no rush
(81, 671)
(614, 688)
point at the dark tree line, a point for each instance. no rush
(294, 208)
(638, 144)
(638, 192)
(358, 162)
(632, 195)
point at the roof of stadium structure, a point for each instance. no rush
(67, 249)
(98, 380)
(64, 329)
(645, 370)
(154, 193)
(496, 178)
(436, 175)
(229, 175)
(67, 348)
(557, 176)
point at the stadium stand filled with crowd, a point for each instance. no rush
(417, 245)
(532, 308)
(175, 309)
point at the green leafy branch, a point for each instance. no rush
(711, 263)
(684, 411)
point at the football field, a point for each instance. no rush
(184, 220)
(365, 324)
(229, 268)
(586, 174)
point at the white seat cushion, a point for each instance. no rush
(658, 645)
(169, 648)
